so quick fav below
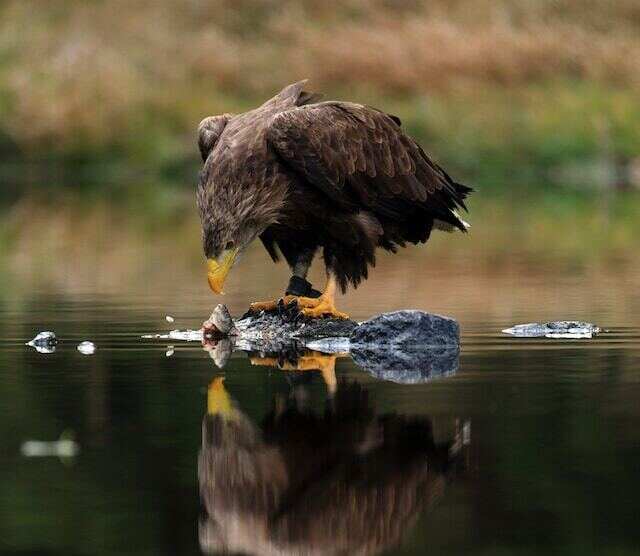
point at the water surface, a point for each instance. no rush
(551, 428)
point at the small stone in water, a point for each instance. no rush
(170, 351)
(63, 448)
(44, 342)
(87, 348)
(169, 318)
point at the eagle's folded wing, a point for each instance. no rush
(361, 158)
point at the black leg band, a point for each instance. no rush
(301, 287)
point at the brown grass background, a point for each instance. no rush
(74, 71)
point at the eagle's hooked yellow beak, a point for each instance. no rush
(217, 270)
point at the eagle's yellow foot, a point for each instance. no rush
(272, 305)
(259, 306)
(312, 307)
(323, 306)
(318, 307)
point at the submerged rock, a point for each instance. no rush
(407, 346)
(407, 330)
(44, 342)
(558, 329)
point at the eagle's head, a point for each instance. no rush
(232, 217)
(224, 239)
(240, 192)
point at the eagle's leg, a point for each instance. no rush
(323, 306)
(300, 287)
(298, 284)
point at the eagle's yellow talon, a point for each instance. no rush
(312, 307)
(323, 306)
(272, 305)
(323, 309)
(258, 306)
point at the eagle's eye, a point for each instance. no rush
(229, 245)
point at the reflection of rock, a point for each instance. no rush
(407, 366)
(557, 329)
(406, 330)
(407, 346)
(343, 481)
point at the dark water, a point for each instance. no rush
(531, 446)
(545, 434)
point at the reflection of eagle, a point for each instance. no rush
(344, 482)
(304, 175)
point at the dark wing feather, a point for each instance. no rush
(361, 158)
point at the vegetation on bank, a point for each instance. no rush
(503, 92)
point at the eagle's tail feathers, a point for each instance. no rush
(449, 227)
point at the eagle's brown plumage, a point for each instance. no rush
(304, 175)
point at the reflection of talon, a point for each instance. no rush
(312, 361)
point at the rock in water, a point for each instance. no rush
(407, 330)
(567, 329)
(86, 347)
(407, 346)
(44, 342)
